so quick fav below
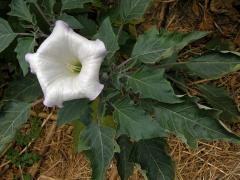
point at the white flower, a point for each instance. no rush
(67, 66)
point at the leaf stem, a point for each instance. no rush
(124, 62)
(119, 31)
(41, 12)
(183, 86)
(25, 34)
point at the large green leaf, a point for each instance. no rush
(49, 6)
(101, 143)
(74, 4)
(25, 45)
(73, 110)
(78, 144)
(151, 83)
(191, 124)
(12, 116)
(72, 21)
(89, 26)
(24, 89)
(20, 9)
(125, 167)
(151, 154)
(132, 10)
(214, 65)
(6, 34)
(153, 46)
(220, 99)
(134, 122)
(106, 34)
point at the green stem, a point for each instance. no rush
(182, 86)
(124, 62)
(119, 31)
(25, 34)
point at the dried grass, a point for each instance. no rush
(215, 160)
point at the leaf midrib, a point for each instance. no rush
(13, 122)
(186, 118)
(154, 160)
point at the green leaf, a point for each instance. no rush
(24, 89)
(74, 4)
(214, 65)
(20, 9)
(6, 34)
(150, 83)
(25, 45)
(73, 110)
(49, 6)
(151, 154)
(220, 44)
(191, 124)
(12, 116)
(134, 122)
(125, 167)
(89, 26)
(133, 10)
(106, 34)
(101, 142)
(78, 144)
(153, 46)
(72, 21)
(219, 99)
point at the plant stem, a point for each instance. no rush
(124, 62)
(182, 86)
(119, 31)
(25, 34)
(42, 13)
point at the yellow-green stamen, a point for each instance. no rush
(75, 68)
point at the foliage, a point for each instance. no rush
(25, 159)
(24, 46)
(6, 34)
(150, 83)
(154, 46)
(13, 115)
(190, 123)
(214, 65)
(106, 34)
(141, 102)
(219, 99)
(20, 9)
(101, 143)
(23, 138)
(152, 156)
(72, 110)
(134, 122)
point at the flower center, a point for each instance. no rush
(75, 68)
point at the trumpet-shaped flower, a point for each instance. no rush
(67, 66)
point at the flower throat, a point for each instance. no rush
(75, 68)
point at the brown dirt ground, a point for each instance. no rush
(215, 160)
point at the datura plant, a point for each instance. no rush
(124, 89)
